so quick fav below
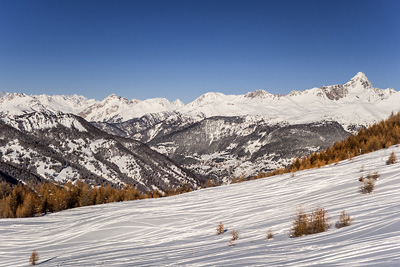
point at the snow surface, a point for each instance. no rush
(180, 230)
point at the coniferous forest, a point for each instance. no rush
(377, 136)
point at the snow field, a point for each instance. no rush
(181, 230)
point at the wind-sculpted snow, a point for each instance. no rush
(181, 230)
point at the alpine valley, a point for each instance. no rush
(156, 144)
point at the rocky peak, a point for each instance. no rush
(359, 79)
(258, 94)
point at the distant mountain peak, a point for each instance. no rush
(258, 94)
(359, 78)
(113, 96)
(178, 103)
(207, 98)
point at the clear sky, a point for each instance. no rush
(182, 49)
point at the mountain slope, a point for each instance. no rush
(222, 147)
(66, 147)
(149, 126)
(180, 230)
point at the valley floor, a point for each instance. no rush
(180, 230)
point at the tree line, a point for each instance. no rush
(22, 201)
(377, 136)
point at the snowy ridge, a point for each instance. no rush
(19, 104)
(180, 230)
(342, 103)
(354, 103)
(39, 121)
(116, 109)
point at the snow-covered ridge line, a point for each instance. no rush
(343, 103)
(39, 121)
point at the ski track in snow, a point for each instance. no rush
(180, 230)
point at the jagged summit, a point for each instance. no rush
(359, 79)
(114, 97)
(258, 94)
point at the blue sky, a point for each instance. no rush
(182, 49)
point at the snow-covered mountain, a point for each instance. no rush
(226, 147)
(117, 109)
(65, 147)
(180, 230)
(19, 104)
(356, 102)
(168, 126)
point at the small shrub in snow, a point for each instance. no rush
(270, 235)
(367, 186)
(375, 175)
(319, 221)
(220, 228)
(34, 258)
(368, 183)
(361, 179)
(392, 159)
(315, 223)
(344, 220)
(299, 227)
(235, 236)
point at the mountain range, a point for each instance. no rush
(216, 136)
(334, 102)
